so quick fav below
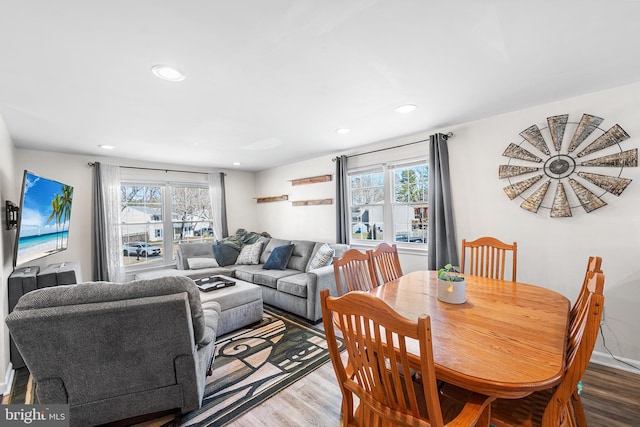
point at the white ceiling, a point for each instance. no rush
(269, 81)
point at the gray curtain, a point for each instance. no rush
(442, 233)
(343, 222)
(107, 241)
(219, 204)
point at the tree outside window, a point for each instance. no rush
(367, 205)
(156, 218)
(411, 188)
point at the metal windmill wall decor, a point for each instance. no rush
(541, 180)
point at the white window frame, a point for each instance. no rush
(167, 222)
(389, 225)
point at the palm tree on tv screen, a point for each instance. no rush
(56, 213)
(65, 208)
(61, 212)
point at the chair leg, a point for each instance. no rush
(485, 417)
(578, 410)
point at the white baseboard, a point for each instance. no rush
(607, 360)
(5, 386)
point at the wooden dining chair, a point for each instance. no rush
(386, 263)
(379, 375)
(560, 405)
(355, 271)
(488, 257)
(594, 265)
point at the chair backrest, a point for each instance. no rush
(378, 375)
(582, 339)
(488, 257)
(386, 263)
(355, 271)
(594, 265)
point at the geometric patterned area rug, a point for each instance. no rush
(252, 365)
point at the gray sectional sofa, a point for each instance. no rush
(112, 351)
(295, 289)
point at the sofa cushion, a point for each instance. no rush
(301, 255)
(225, 254)
(270, 277)
(198, 263)
(250, 254)
(322, 257)
(279, 258)
(270, 246)
(245, 272)
(293, 285)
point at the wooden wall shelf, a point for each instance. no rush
(272, 199)
(312, 202)
(311, 180)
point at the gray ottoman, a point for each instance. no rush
(241, 305)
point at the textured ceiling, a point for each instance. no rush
(269, 82)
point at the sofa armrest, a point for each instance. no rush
(211, 310)
(320, 278)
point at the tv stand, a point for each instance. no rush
(65, 273)
(27, 279)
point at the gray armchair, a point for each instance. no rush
(114, 351)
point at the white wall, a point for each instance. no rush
(281, 219)
(75, 171)
(7, 192)
(553, 252)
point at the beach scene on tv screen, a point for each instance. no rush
(45, 215)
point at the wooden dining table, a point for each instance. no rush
(507, 340)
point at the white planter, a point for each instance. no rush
(452, 292)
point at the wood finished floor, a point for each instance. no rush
(611, 398)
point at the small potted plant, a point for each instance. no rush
(451, 285)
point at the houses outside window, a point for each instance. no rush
(390, 203)
(157, 217)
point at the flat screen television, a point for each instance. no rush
(43, 219)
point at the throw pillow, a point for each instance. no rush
(250, 254)
(279, 258)
(322, 257)
(225, 254)
(198, 263)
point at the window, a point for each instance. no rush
(410, 187)
(367, 205)
(389, 203)
(158, 216)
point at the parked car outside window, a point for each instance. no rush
(140, 249)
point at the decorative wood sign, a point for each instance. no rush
(311, 180)
(312, 202)
(560, 166)
(272, 199)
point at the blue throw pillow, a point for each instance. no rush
(279, 258)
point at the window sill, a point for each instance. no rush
(403, 248)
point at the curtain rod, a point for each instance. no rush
(158, 169)
(446, 136)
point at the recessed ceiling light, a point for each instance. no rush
(236, 163)
(167, 72)
(343, 130)
(405, 108)
(106, 147)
